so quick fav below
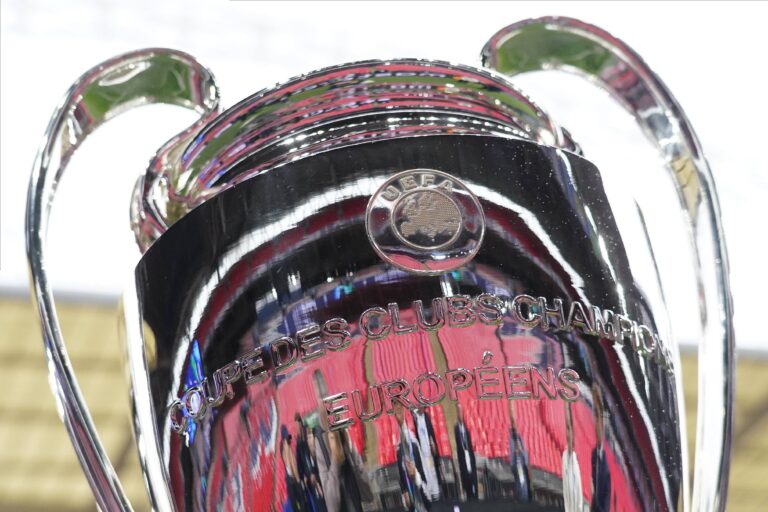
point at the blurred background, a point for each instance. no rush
(710, 55)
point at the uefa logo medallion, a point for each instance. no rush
(425, 221)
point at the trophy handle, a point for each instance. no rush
(571, 45)
(137, 78)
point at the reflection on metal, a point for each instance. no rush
(335, 107)
(138, 78)
(521, 357)
(425, 221)
(572, 45)
(513, 300)
(324, 340)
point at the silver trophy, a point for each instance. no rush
(400, 285)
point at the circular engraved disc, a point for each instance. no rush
(425, 221)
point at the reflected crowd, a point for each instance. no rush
(325, 472)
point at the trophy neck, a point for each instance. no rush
(328, 109)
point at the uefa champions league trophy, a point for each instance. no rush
(400, 285)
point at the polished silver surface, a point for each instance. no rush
(572, 45)
(137, 78)
(396, 285)
(348, 104)
(288, 321)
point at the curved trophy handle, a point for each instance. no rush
(138, 78)
(571, 45)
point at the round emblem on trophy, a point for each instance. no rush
(425, 221)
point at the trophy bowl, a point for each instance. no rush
(400, 285)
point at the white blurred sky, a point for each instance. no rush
(711, 55)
